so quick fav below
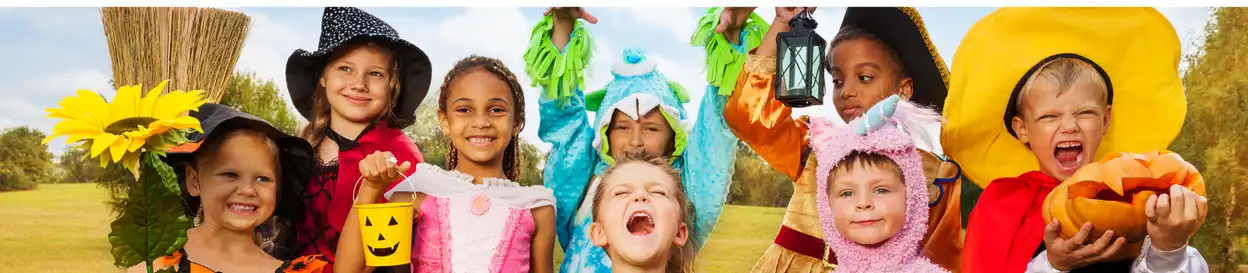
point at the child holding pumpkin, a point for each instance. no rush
(639, 110)
(474, 217)
(242, 177)
(872, 194)
(1052, 85)
(641, 216)
(357, 91)
(878, 52)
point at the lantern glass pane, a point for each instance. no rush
(815, 68)
(796, 80)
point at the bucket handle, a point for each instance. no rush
(355, 190)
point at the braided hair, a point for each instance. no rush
(511, 157)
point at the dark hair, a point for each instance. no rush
(278, 235)
(680, 259)
(511, 157)
(850, 32)
(318, 122)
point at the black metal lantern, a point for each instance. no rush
(799, 63)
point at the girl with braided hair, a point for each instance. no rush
(475, 209)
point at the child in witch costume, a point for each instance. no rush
(241, 178)
(872, 194)
(357, 90)
(639, 110)
(1050, 77)
(878, 52)
(473, 217)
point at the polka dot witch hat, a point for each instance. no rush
(345, 26)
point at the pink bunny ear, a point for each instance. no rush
(823, 130)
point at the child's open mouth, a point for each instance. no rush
(640, 223)
(1069, 154)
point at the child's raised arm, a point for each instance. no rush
(558, 53)
(758, 119)
(378, 173)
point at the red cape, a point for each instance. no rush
(379, 138)
(1006, 227)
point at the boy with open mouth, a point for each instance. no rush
(1070, 85)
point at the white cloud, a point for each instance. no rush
(679, 23)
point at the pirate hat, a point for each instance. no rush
(1135, 49)
(903, 30)
(344, 26)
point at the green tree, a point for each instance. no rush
(1213, 136)
(262, 98)
(435, 146)
(755, 183)
(77, 166)
(24, 159)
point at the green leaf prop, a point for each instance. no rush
(152, 225)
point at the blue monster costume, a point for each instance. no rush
(579, 153)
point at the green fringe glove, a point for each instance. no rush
(559, 74)
(723, 63)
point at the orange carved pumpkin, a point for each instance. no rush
(1111, 194)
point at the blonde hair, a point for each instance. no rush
(318, 123)
(1064, 73)
(680, 258)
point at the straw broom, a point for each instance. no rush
(195, 48)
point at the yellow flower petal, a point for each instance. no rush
(124, 102)
(131, 162)
(137, 143)
(148, 103)
(177, 103)
(118, 148)
(91, 103)
(102, 143)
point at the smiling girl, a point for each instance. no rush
(357, 90)
(473, 217)
(240, 178)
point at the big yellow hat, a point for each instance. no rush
(1137, 50)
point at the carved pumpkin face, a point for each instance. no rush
(388, 232)
(1111, 194)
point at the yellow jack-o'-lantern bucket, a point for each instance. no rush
(386, 230)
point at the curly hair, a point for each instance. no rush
(511, 158)
(680, 258)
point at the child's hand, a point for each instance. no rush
(379, 169)
(784, 14)
(732, 19)
(1067, 254)
(1173, 218)
(571, 13)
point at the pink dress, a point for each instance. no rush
(461, 223)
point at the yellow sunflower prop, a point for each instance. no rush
(128, 125)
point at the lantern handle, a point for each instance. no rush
(803, 20)
(355, 194)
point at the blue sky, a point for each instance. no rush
(51, 52)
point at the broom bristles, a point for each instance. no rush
(195, 48)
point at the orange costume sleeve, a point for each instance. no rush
(764, 123)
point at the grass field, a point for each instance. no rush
(64, 228)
